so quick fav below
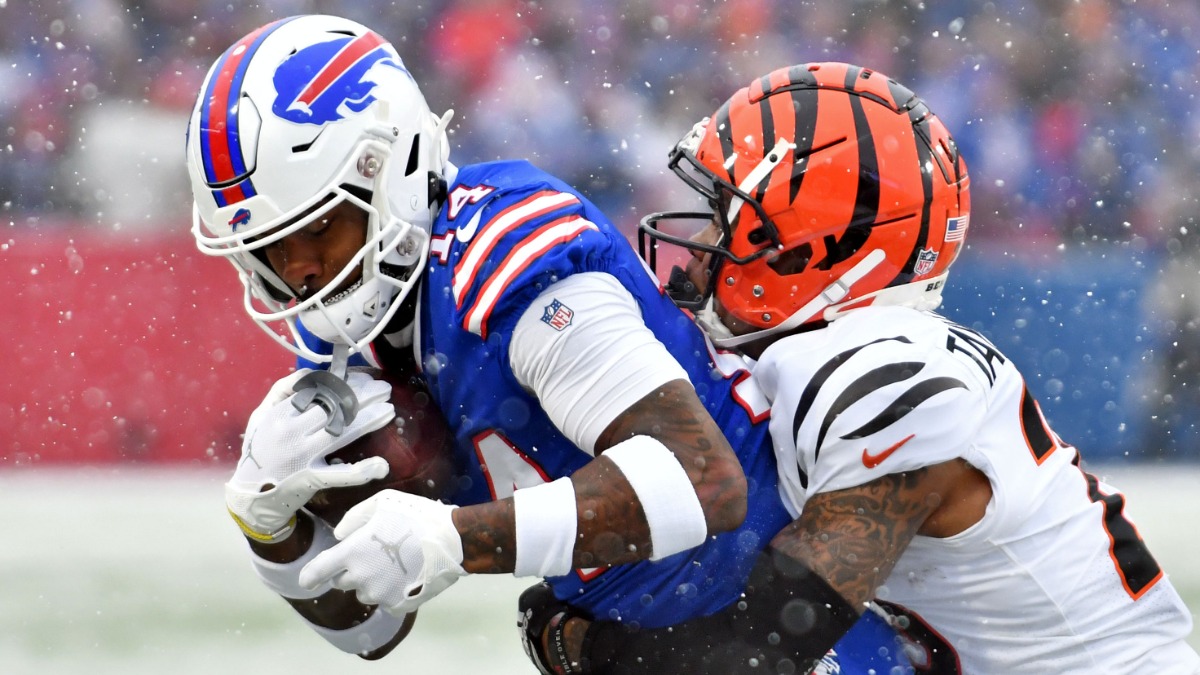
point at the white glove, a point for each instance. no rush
(286, 448)
(397, 551)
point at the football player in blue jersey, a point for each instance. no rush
(601, 442)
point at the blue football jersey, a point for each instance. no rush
(507, 232)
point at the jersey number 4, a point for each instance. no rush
(508, 469)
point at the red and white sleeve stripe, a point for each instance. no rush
(518, 259)
(513, 217)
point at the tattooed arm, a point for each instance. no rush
(833, 558)
(612, 526)
(853, 537)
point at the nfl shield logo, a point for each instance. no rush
(557, 315)
(925, 261)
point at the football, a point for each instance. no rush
(417, 445)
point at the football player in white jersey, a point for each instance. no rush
(925, 481)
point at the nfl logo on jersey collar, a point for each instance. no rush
(557, 315)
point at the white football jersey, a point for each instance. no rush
(1053, 579)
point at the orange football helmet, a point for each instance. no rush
(833, 187)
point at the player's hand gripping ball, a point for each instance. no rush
(417, 444)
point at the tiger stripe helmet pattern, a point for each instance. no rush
(812, 170)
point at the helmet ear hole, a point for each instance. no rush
(758, 235)
(414, 154)
(792, 261)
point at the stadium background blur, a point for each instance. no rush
(129, 359)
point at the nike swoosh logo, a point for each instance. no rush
(871, 461)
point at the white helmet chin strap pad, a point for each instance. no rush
(924, 295)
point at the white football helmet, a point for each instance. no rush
(293, 119)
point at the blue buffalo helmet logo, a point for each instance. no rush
(240, 217)
(325, 82)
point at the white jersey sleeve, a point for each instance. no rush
(603, 360)
(850, 406)
(1053, 579)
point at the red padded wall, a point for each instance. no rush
(124, 348)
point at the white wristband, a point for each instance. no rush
(283, 578)
(668, 499)
(366, 637)
(546, 526)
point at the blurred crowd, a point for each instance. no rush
(1079, 119)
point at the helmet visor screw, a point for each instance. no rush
(368, 166)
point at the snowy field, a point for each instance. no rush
(119, 570)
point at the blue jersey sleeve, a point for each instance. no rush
(524, 236)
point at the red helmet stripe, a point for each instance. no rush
(219, 133)
(217, 136)
(232, 195)
(779, 78)
(221, 163)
